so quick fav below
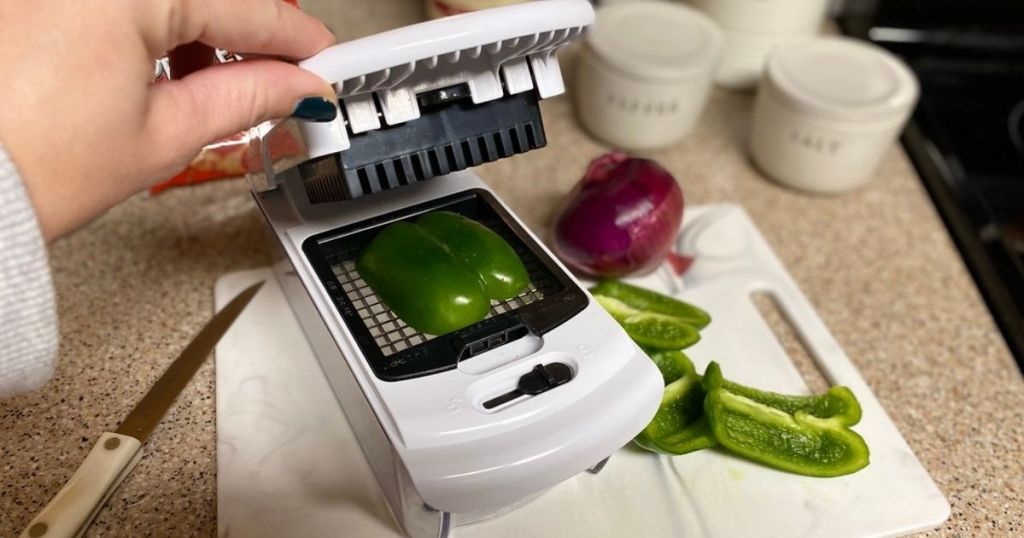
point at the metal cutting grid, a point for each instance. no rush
(390, 333)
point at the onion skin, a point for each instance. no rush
(620, 219)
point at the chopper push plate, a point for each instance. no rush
(450, 134)
(396, 351)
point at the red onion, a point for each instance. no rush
(621, 218)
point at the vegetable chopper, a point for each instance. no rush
(463, 425)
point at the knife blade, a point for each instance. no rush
(73, 508)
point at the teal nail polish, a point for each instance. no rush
(315, 109)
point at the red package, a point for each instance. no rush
(225, 158)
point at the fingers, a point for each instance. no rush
(269, 27)
(219, 101)
(205, 104)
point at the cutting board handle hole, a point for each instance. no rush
(787, 335)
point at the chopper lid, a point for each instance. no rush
(444, 45)
(429, 99)
(494, 52)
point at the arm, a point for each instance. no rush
(82, 127)
(87, 129)
(28, 318)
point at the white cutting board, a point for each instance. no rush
(288, 465)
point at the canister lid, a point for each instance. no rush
(655, 40)
(843, 79)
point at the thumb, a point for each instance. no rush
(222, 100)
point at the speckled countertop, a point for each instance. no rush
(877, 263)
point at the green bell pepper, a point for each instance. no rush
(672, 364)
(438, 274)
(679, 426)
(808, 435)
(649, 329)
(421, 281)
(650, 301)
(839, 402)
(503, 274)
(691, 438)
(800, 443)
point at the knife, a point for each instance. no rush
(71, 511)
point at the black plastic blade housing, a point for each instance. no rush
(448, 136)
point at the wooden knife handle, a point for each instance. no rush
(70, 511)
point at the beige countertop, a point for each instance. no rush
(136, 284)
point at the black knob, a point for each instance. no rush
(544, 377)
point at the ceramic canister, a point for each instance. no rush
(644, 73)
(436, 9)
(827, 111)
(753, 28)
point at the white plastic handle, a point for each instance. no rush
(73, 508)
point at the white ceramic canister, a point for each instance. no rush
(445, 8)
(753, 28)
(644, 73)
(827, 111)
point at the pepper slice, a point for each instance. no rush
(696, 436)
(800, 443)
(419, 279)
(839, 402)
(648, 329)
(673, 364)
(651, 301)
(679, 426)
(502, 272)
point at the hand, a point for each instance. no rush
(81, 119)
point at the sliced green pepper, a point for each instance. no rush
(839, 402)
(802, 434)
(648, 329)
(673, 364)
(679, 426)
(503, 274)
(691, 438)
(800, 443)
(650, 301)
(419, 279)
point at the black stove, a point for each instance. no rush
(966, 137)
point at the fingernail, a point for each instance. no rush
(315, 109)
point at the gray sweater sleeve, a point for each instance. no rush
(28, 315)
